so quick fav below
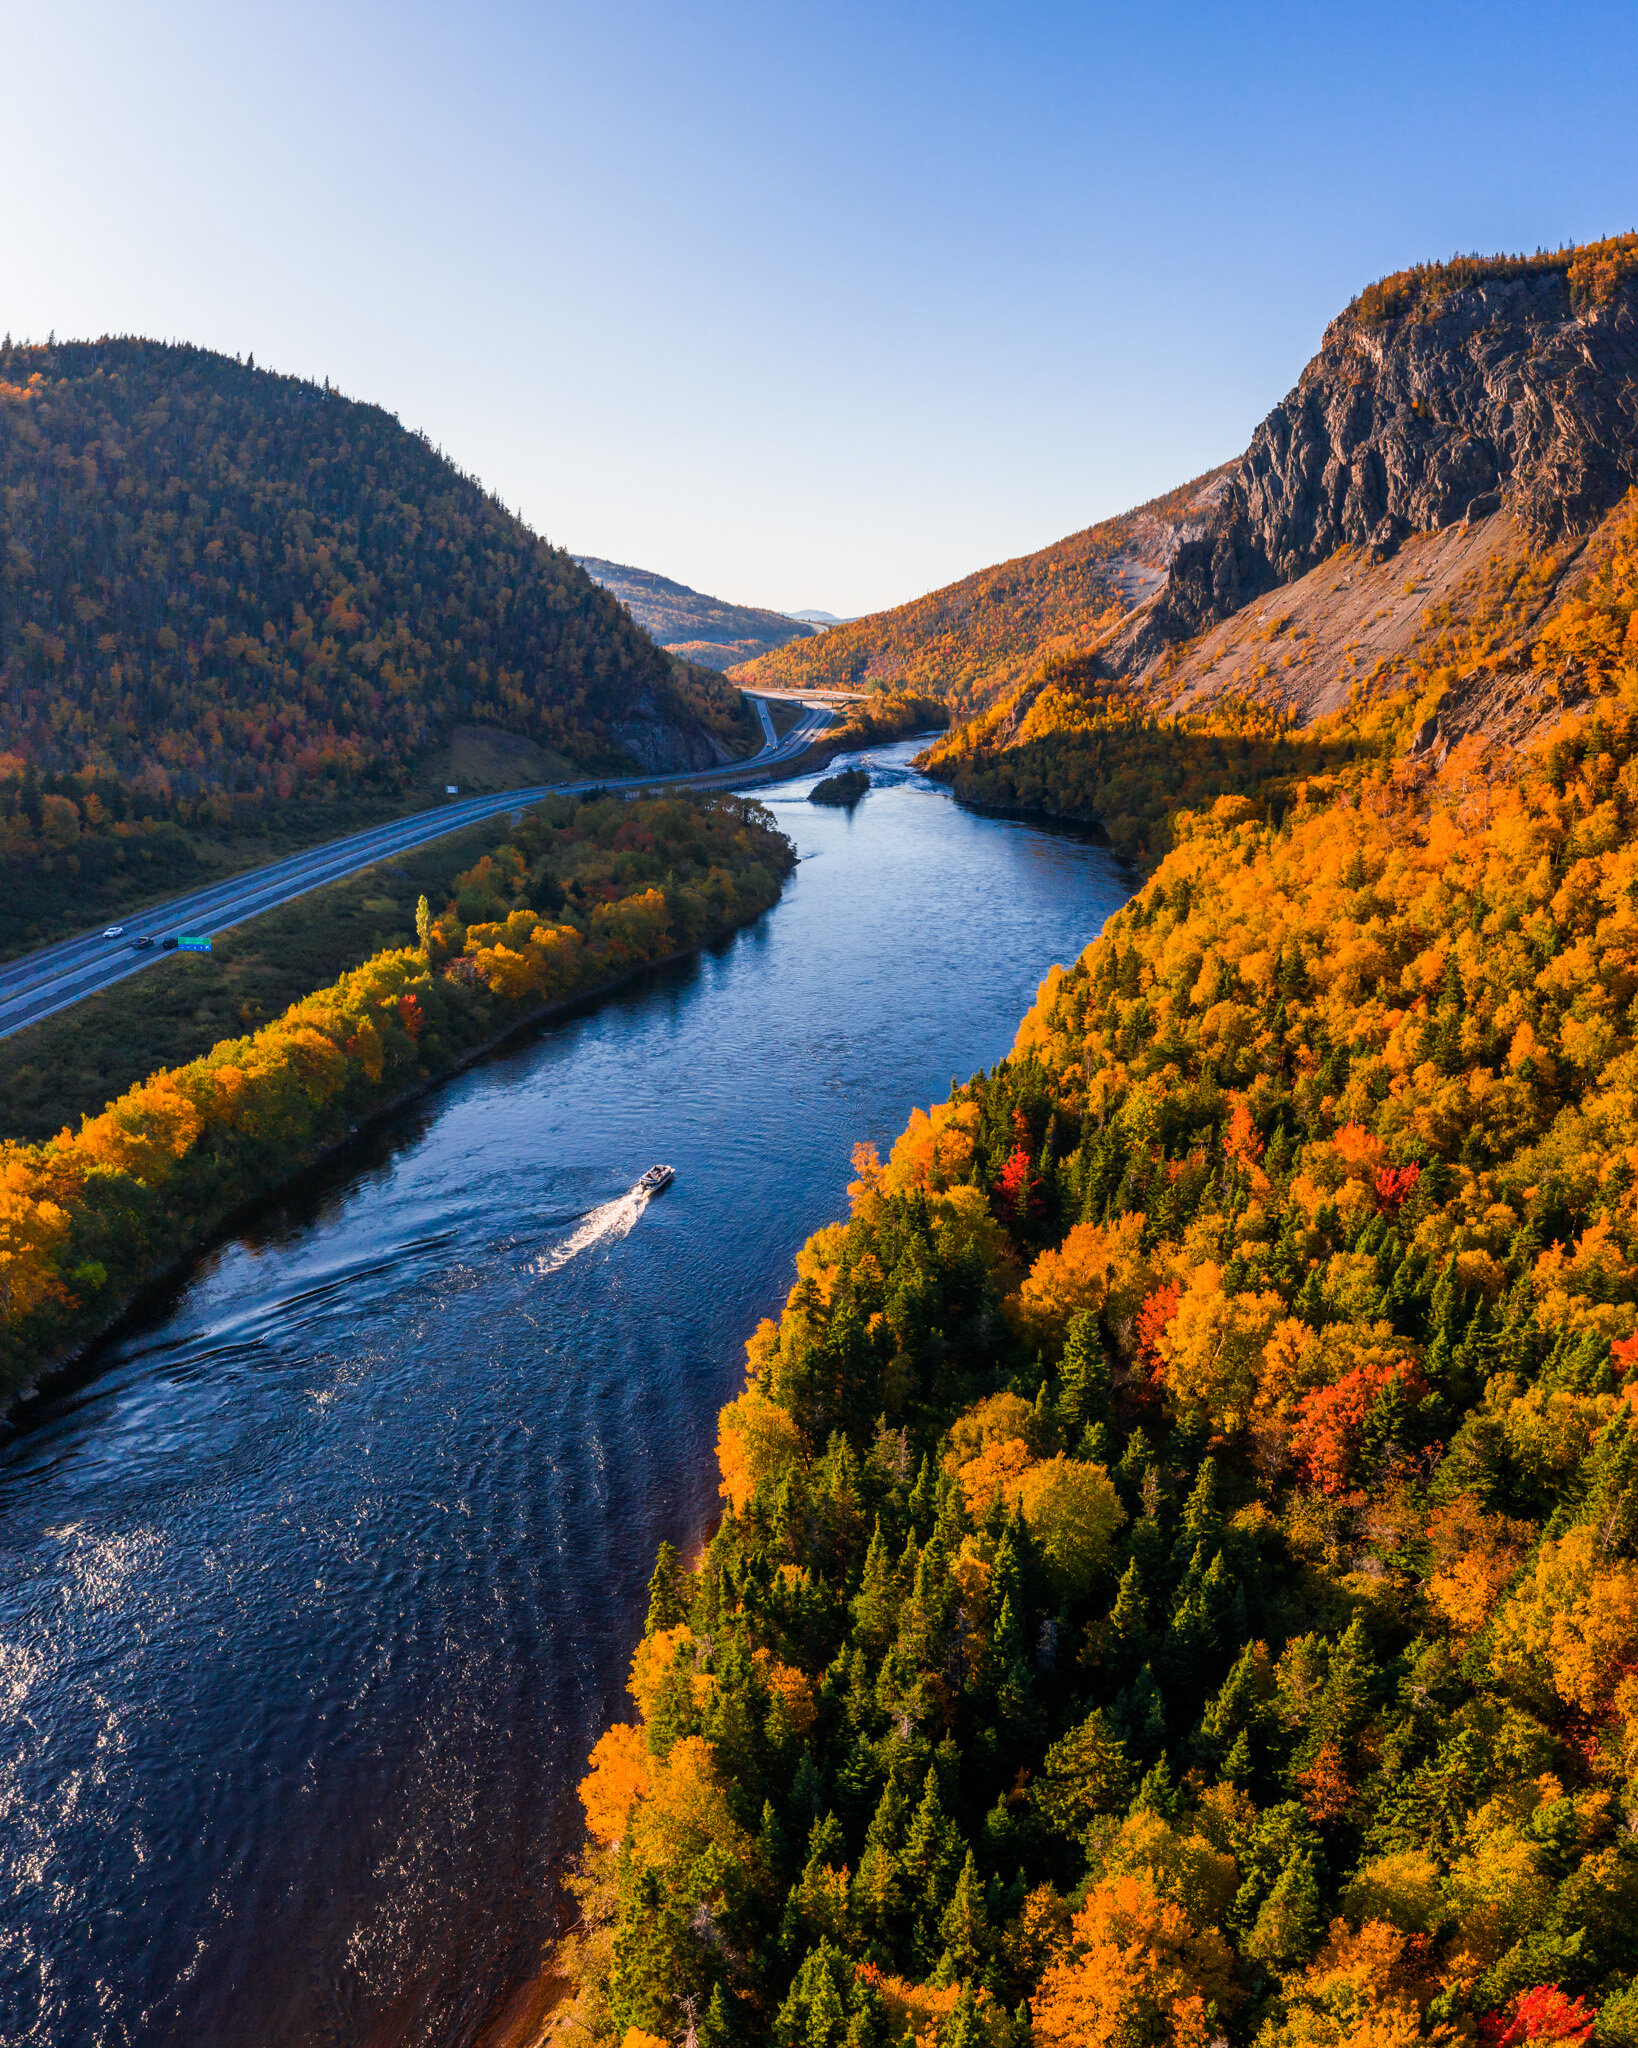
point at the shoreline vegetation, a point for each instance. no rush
(1178, 1572)
(1092, 754)
(890, 715)
(577, 896)
(74, 1063)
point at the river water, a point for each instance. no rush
(314, 1594)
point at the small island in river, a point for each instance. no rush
(846, 788)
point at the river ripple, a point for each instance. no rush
(314, 1596)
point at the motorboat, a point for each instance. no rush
(657, 1177)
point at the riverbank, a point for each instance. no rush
(1214, 1329)
(334, 1556)
(55, 1374)
(100, 1221)
(73, 1064)
(1082, 826)
(1130, 846)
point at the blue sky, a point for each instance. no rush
(802, 304)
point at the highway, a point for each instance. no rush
(42, 983)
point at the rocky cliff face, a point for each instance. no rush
(661, 741)
(1498, 396)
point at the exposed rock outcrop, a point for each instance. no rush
(661, 741)
(1501, 395)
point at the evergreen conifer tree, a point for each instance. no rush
(770, 1845)
(674, 1713)
(1000, 1833)
(1006, 1574)
(789, 1519)
(924, 1496)
(666, 1590)
(1083, 1395)
(1351, 1677)
(1158, 1793)
(715, 2029)
(1232, 1728)
(1611, 1502)
(875, 1607)
(932, 1860)
(1139, 1715)
(1287, 1927)
(1201, 1520)
(1126, 1633)
(880, 1888)
(807, 1798)
(1191, 1634)
(861, 1692)
(1135, 1461)
(868, 2025)
(964, 1928)
(827, 1845)
(814, 2014)
(1097, 1446)
(1445, 1324)
(1085, 1773)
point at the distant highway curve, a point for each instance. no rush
(42, 983)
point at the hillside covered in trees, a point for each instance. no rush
(577, 895)
(1391, 552)
(1177, 1580)
(1438, 467)
(228, 588)
(971, 641)
(706, 630)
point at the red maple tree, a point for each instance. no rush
(1542, 2013)
(1394, 1184)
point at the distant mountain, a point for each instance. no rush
(1316, 1170)
(701, 629)
(1439, 467)
(1411, 538)
(971, 641)
(218, 582)
(817, 618)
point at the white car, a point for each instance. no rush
(115, 931)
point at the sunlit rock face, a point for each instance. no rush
(1500, 396)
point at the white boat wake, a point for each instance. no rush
(603, 1225)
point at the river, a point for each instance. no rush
(316, 1590)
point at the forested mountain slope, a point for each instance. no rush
(217, 580)
(707, 630)
(1178, 1573)
(972, 640)
(1403, 530)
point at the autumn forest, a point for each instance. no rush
(1177, 1575)
(238, 605)
(1174, 1581)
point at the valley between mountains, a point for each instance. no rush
(1178, 1578)
(1172, 1572)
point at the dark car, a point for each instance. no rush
(142, 945)
(167, 945)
